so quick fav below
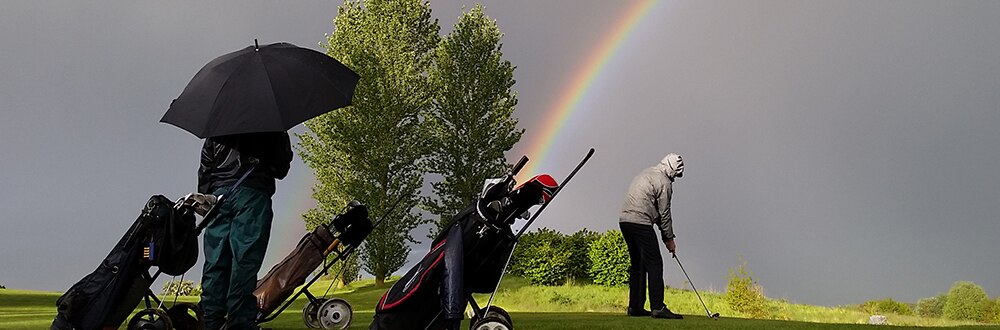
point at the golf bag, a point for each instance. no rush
(468, 257)
(162, 236)
(346, 231)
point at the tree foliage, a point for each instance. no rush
(472, 123)
(966, 301)
(372, 150)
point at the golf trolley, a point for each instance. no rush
(337, 241)
(325, 245)
(469, 256)
(165, 236)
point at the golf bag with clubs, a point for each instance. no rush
(337, 241)
(469, 256)
(164, 235)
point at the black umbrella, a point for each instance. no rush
(261, 89)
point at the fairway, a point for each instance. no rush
(34, 310)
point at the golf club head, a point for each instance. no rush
(715, 316)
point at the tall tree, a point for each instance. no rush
(473, 121)
(372, 151)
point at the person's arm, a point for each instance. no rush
(283, 157)
(666, 220)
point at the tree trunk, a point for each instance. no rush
(379, 277)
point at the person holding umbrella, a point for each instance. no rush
(242, 104)
(236, 240)
(647, 203)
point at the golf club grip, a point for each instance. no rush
(210, 215)
(520, 164)
(555, 193)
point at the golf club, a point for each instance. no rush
(710, 314)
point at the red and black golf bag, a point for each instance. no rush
(468, 257)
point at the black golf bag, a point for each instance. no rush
(468, 257)
(162, 236)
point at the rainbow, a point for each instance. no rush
(288, 227)
(569, 99)
(293, 199)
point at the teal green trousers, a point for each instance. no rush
(235, 242)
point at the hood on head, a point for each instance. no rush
(672, 165)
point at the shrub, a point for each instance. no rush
(966, 301)
(932, 307)
(542, 257)
(181, 288)
(560, 299)
(609, 260)
(744, 295)
(886, 305)
(990, 311)
(579, 256)
(996, 311)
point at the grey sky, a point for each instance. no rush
(847, 150)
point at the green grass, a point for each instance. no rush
(581, 306)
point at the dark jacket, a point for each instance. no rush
(224, 159)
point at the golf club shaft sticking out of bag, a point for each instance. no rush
(710, 315)
(555, 193)
(535, 216)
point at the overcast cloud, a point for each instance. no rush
(846, 150)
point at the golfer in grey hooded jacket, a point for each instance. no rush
(647, 203)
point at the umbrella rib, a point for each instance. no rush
(328, 80)
(215, 103)
(270, 88)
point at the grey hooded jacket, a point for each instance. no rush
(648, 200)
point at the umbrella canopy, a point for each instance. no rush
(261, 89)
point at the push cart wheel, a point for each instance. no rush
(335, 314)
(496, 312)
(150, 319)
(186, 316)
(310, 311)
(501, 313)
(492, 323)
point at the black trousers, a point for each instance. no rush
(646, 265)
